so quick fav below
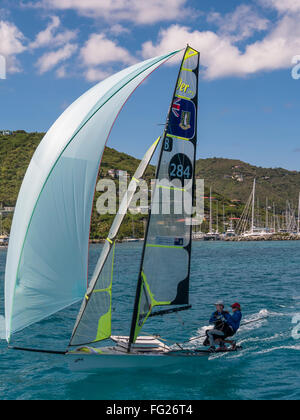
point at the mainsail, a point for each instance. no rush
(47, 260)
(165, 268)
(94, 320)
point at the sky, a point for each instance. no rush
(249, 93)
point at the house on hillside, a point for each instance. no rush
(238, 177)
(8, 209)
(5, 133)
(117, 173)
(112, 173)
(5, 209)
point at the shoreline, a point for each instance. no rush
(268, 238)
(275, 237)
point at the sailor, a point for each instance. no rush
(234, 322)
(219, 320)
(225, 326)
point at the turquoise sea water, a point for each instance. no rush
(264, 277)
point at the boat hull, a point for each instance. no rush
(93, 363)
(100, 362)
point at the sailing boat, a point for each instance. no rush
(55, 202)
(212, 235)
(254, 231)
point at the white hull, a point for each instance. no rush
(93, 363)
(148, 353)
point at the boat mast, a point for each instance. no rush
(210, 212)
(253, 206)
(217, 231)
(298, 225)
(267, 214)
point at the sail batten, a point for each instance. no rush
(46, 268)
(165, 267)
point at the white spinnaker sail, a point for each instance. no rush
(47, 260)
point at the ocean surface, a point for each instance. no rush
(263, 276)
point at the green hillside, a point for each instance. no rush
(234, 179)
(231, 181)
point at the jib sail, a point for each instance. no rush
(94, 320)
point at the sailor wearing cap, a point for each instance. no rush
(225, 325)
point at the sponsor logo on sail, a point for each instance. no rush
(182, 87)
(185, 120)
(176, 107)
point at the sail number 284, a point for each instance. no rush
(179, 171)
(180, 167)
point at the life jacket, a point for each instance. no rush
(219, 323)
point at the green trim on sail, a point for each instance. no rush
(164, 246)
(153, 301)
(183, 97)
(104, 326)
(153, 304)
(177, 137)
(170, 188)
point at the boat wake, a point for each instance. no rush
(265, 351)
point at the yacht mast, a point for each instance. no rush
(217, 231)
(298, 225)
(267, 214)
(210, 212)
(253, 206)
